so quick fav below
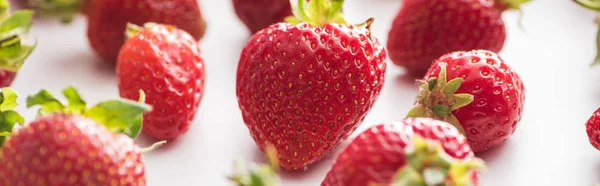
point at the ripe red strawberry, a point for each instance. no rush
(305, 87)
(592, 128)
(165, 62)
(107, 19)
(425, 30)
(74, 145)
(13, 49)
(257, 15)
(414, 151)
(483, 99)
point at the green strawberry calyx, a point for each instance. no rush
(437, 99)
(118, 115)
(590, 4)
(316, 12)
(428, 164)
(258, 175)
(65, 10)
(13, 31)
(513, 4)
(8, 101)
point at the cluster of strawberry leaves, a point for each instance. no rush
(118, 115)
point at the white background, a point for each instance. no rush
(552, 56)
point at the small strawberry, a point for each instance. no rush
(304, 87)
(13, 49)
(107, 19)
(257, 15)
(165, 63)
(73, 145)
(592, 128)
(483, 99)
(415, 151)
(425, 30)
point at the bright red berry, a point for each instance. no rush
(592, 127)
(408, 152)
(425, 30)
(71, 144)
(165, 63)
(483, 99)
(107, 20)
(305, 87)
(259, 14)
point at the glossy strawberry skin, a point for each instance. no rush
(165, 63)
(592, 128)
(305, 88)
(379, 152)
(498, 93)
(6, 78)
(61, 149)
(107, 20)
(425, 30)
(259, 14)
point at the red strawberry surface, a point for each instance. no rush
(380, 154)
(489, 97)
(259, 14)
(165, 63)
(107, 20)
(592, 128)
(422, 31)
(306, 87)
(71, 144)
(62, 149)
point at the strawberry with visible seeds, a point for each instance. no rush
(165, 63)
(71, 144)
(107, 19)
(13, 47)
(483, 99)
(414, 151)
(259, 14)
(304, 87)
(425, 30)
(592, 128)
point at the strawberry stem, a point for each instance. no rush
(513, 4)
(13, 48)
(153, 146)
(428, 164)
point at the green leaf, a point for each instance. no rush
(18, 20)
(8, 119)
(590, 4)
(417, 111)
(46, 101)
(8, 98)
(431, 83)
(122, 116)
(4, 9)
(461, 100)
(441, 110)
(76, 104)
(453, 86)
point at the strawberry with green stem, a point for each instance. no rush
(13, 47)
(483, 98)
(306, 86)
(75, 145)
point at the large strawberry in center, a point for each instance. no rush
(305, 86)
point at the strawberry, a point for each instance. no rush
(13, 49)
(483, 99)
(73, 145)
(165, 62)
(414, 151)
(592, 128)
(425, 30)
(306, 86)
(107, 19)
(257, 15)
